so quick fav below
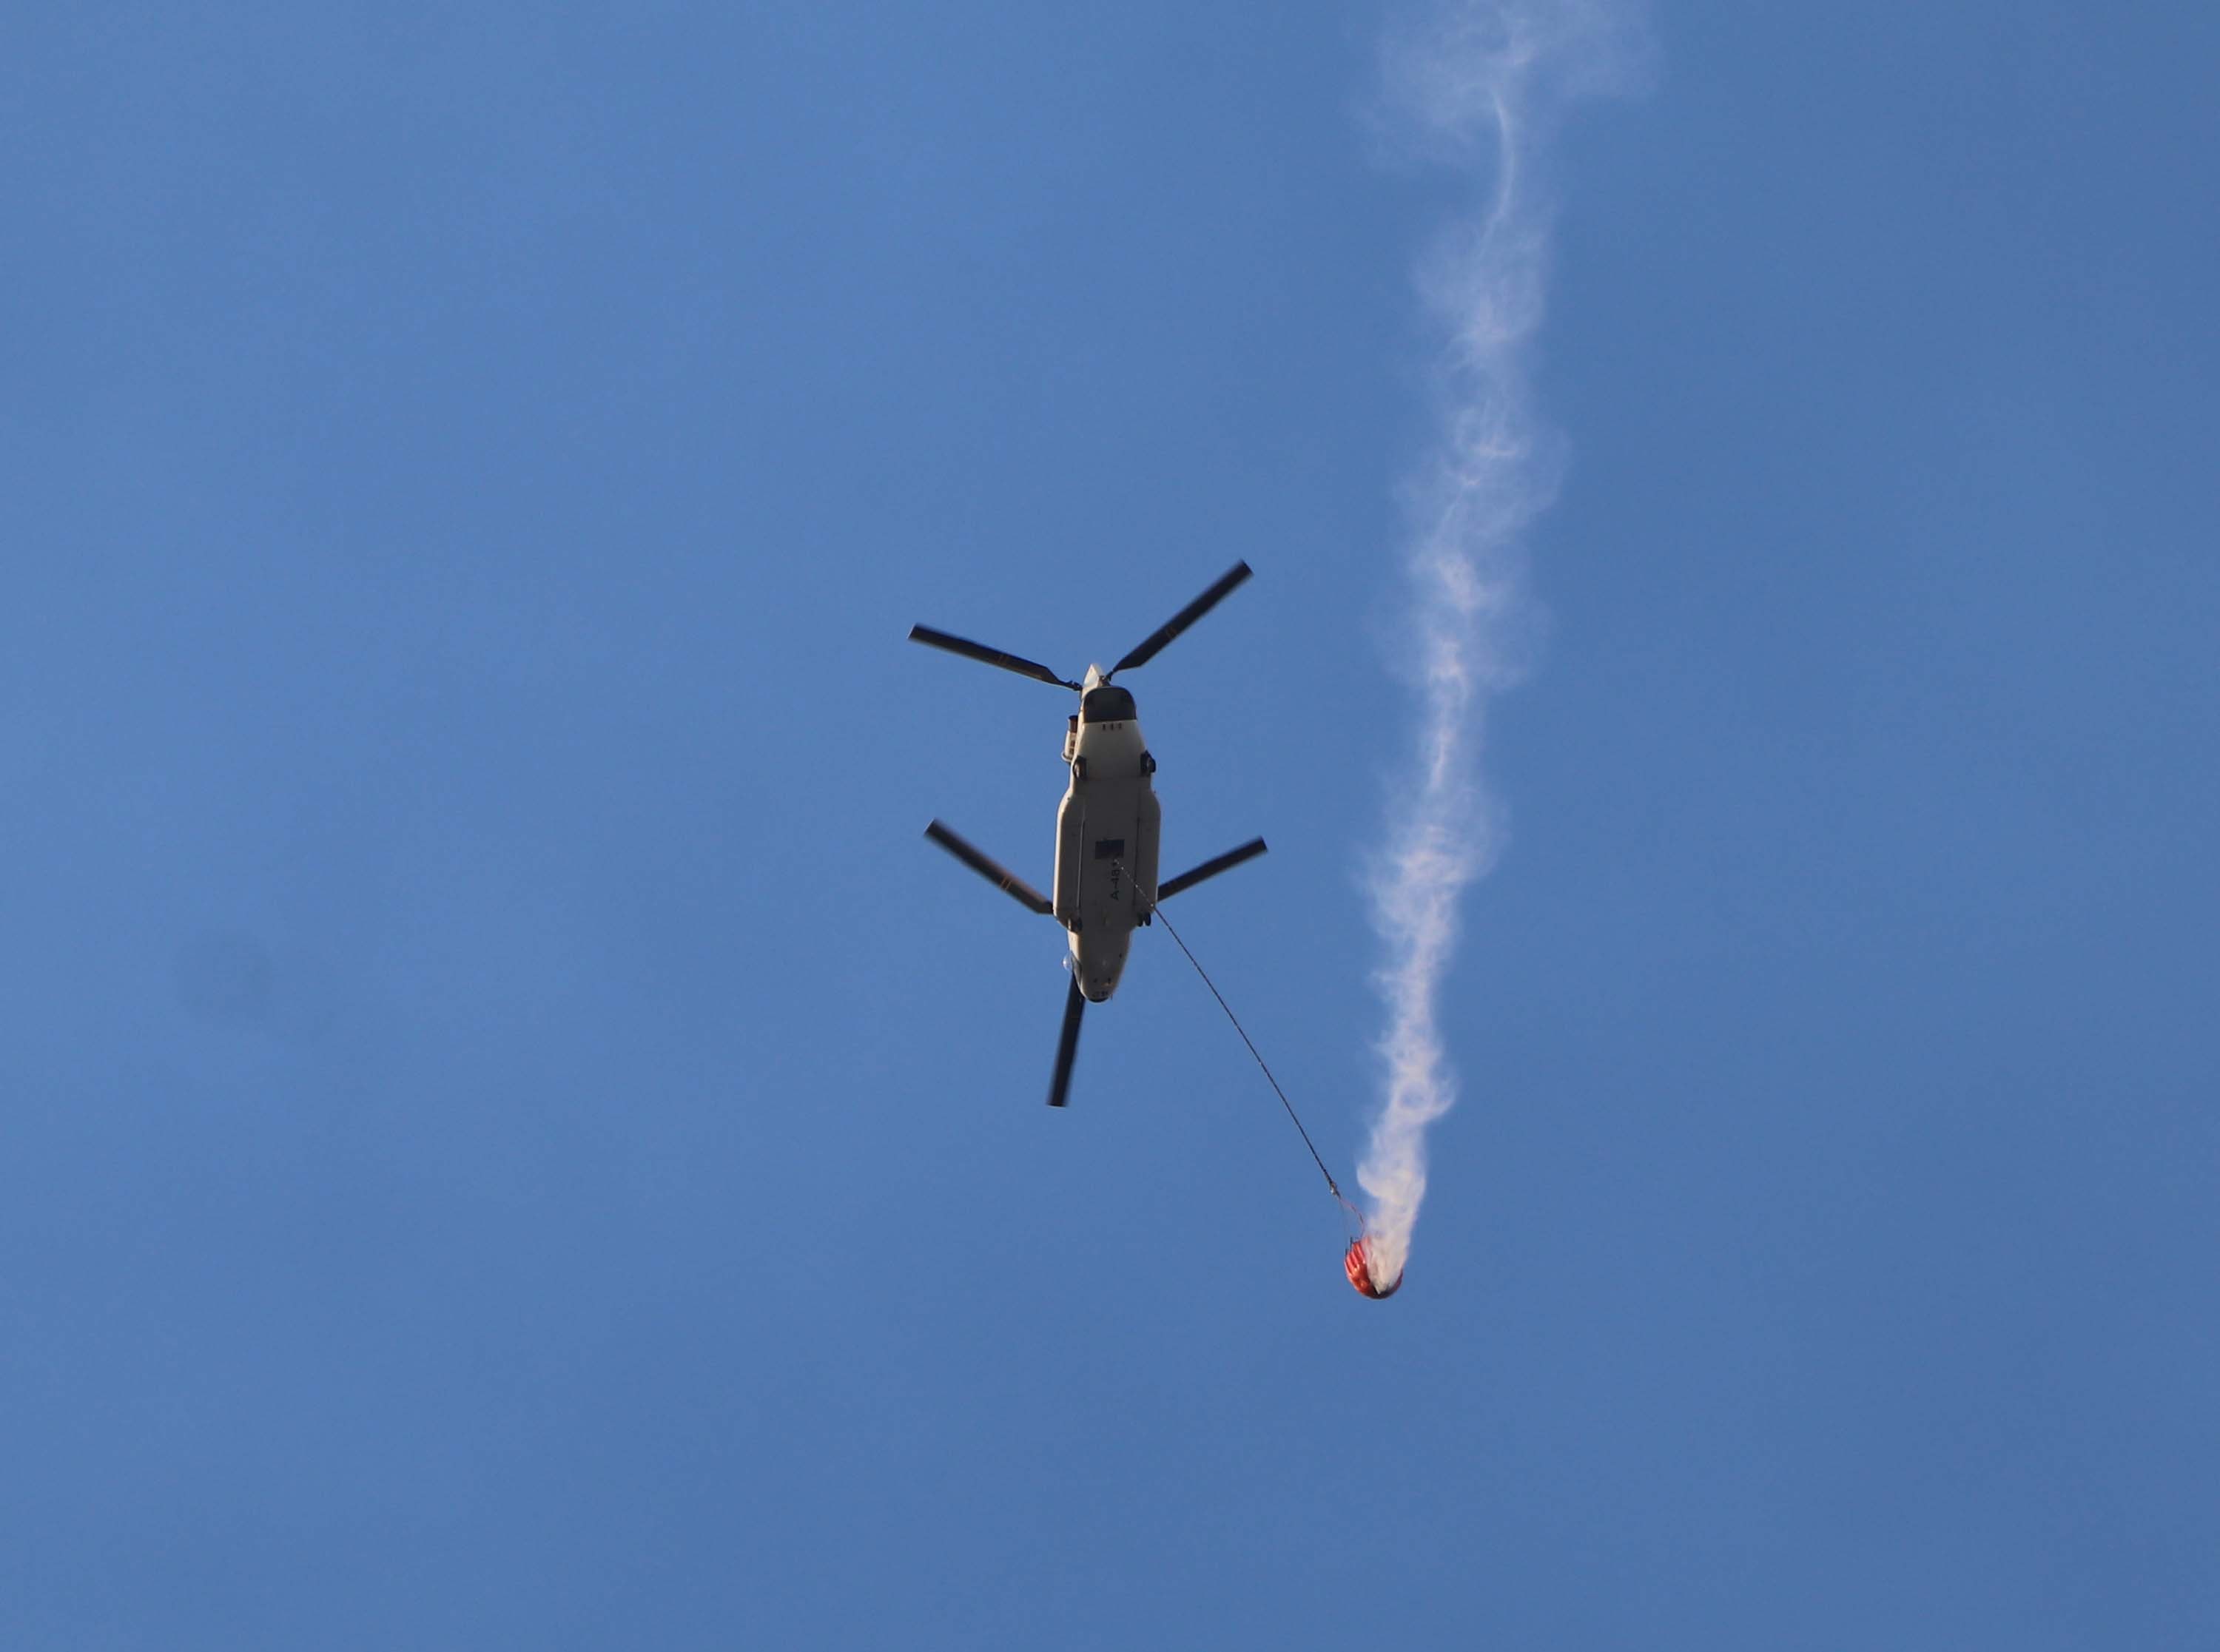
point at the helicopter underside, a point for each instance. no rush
(1106, 833)
(1108, 828)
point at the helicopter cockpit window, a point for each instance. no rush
(1108, 704)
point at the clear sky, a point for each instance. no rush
(509, 1135)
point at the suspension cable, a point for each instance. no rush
(1332, 1186)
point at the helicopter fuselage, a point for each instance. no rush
(1107, 830)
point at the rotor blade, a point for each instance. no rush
(1067, 1045)
(1180, 621)
(987, 656)
(993, 871)
(1225, 862)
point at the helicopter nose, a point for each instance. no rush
(1096, 980)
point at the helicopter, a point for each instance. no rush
(1106, 827)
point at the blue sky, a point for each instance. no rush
(512, 1137)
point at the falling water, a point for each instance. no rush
(1478, 83)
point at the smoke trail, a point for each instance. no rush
(1482, 79)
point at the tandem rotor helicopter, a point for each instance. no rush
(1106, 827)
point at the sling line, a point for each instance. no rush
(1332, 1187)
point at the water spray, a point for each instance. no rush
(1480, 78)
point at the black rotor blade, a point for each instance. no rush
(987, 656)
(992, 870)
(1180, 621)
(1225, 862)
(1067, 1046)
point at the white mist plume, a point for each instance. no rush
(1478, 80)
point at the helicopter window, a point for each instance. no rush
(1109, 848)
(1108, 704)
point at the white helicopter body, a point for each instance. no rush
(1108, 828)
